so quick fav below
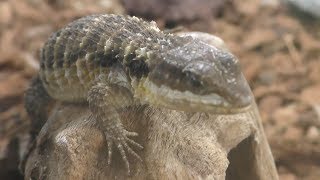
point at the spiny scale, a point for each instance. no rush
(74, 56)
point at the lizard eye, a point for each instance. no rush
(192, 79)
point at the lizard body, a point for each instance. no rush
(114, 61)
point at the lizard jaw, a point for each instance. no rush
(185, 101)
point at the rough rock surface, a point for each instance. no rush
(177, 145)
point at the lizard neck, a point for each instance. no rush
(146, 59)
(141, 52)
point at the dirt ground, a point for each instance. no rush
(278, 49)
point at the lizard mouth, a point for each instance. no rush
(188, 101)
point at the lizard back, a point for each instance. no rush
(74, 56)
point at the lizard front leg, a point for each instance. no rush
(105, 99)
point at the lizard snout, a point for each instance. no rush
(238, 93)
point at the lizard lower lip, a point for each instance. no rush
(243, 101)
(247, 99)
(188, 101)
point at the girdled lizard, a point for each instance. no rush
(115, 61)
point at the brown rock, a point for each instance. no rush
(282, 64)
(209, 147)
(311, 95)
(268, 105)
(259, 37)
(285, 116)
(174, 10)
(287, 176)
(5, 14)
(313, 133)
(314, 73)
(250, 8)
(293, 133)
(309, 42)
(11, 85)
(252, 66)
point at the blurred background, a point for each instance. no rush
(277, 42)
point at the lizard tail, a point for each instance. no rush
(37, 102)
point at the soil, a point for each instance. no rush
(278, 49)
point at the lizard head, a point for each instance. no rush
(197, 77)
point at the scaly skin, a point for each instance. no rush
(114, 61)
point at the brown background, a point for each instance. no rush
(278, 49)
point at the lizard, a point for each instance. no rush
(113, 62)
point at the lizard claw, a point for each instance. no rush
(122, 142)
(110, 146)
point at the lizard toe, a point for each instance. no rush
(137, 145)
(124, 145)
(110, 146)
(124, 156)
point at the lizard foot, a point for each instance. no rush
(121, 141)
